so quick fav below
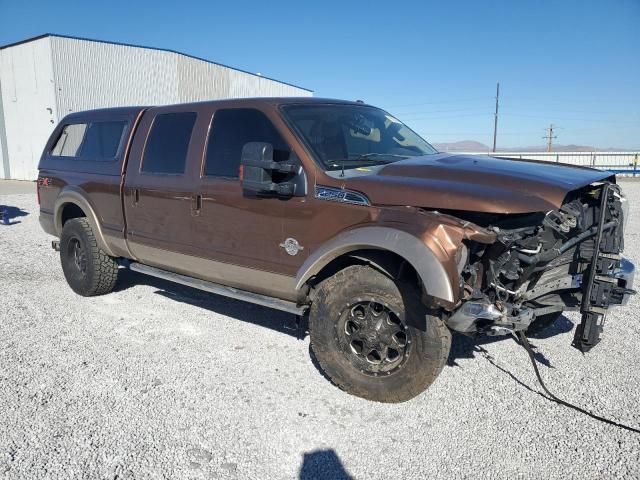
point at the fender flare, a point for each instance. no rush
(76, 196)
(412, 249)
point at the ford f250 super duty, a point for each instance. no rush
(338, 212)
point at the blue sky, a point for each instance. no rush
(433, 64)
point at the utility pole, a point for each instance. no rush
(549, 137)
(495, 122)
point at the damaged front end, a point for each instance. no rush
(544, 263)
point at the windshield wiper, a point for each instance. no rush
(367, 157)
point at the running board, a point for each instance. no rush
(218, 289)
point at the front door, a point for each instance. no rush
(240, 231)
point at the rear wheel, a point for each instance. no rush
(361, 331)
(89, 270)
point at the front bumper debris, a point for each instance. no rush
(609, 279)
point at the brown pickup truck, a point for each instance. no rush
(338, 212)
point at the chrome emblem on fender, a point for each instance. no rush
(341, 195)
(291, 246)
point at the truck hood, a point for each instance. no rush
(474, 183)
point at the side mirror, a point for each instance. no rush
(257, 169)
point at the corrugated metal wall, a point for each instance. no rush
(67, 75)
(95, 74)
(199, 80)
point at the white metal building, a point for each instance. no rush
(44, 78)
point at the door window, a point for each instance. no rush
(168, 143)
(230, 130)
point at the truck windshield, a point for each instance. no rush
(353, 136)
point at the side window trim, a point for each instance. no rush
(144, 147)
(203, 160)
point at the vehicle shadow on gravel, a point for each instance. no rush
(462, 347)
(246, 312)
(8, 213)
(323, 465)
(467, 347)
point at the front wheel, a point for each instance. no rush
(360, 324)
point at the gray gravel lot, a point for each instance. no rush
(162, 381)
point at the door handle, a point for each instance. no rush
(136, 196)
(196, 205)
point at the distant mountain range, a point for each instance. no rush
(473, 146)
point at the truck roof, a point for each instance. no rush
(273, 101)
(105, 112)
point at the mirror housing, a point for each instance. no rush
(257, 169)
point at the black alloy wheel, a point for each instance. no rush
(373, 337)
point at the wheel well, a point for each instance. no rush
(69, 211)
(385, 261)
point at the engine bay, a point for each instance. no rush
(543, 264)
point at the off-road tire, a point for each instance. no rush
(422, 363)
(100, 270)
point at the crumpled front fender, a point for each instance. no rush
(428, 241)
(412, 249)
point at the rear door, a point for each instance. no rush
(158, 191)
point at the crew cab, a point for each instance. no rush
(337, 212)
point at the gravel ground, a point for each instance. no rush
(162, 381)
